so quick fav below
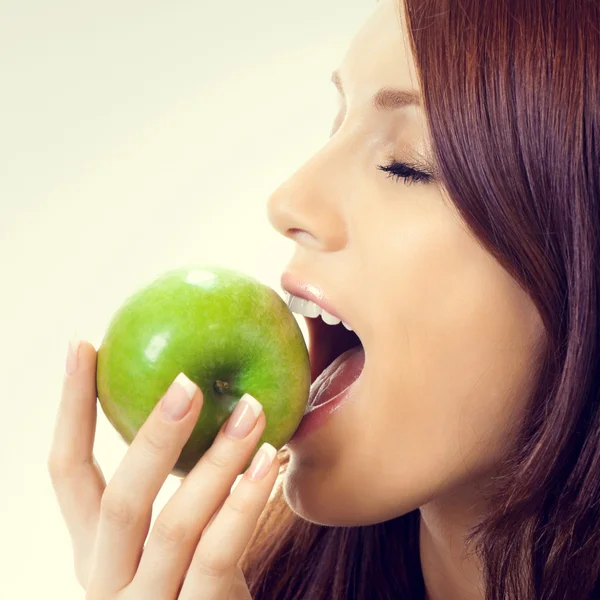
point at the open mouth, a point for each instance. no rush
(326, 343)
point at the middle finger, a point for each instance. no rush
(186, 516)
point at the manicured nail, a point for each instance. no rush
(262, 461)
(243, 418)
(72, 355)
(177, 402)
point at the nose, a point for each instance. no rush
(309, 207)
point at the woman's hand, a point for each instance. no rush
(200, 535)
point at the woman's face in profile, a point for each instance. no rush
(451, 341)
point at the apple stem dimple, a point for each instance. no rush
(221, 386)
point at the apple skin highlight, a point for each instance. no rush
(227, 332)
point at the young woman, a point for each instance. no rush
(452, 220)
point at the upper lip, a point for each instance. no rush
(309, 291)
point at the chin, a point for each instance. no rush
(311, 506)
(305, 496)
(317, 496)
(310, 495)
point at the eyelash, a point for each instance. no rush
(401, 170)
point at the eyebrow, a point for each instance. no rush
(387, 99)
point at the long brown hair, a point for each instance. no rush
(512, 97)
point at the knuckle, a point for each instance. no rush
(119, 510)
(238, 505)
(214, 566)
(59, 468)
(170, 533)
(153, 442)
(218, 459)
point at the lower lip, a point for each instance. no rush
(349, 368)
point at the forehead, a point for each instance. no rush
(379, 55)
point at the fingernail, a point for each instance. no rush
(177, 401)
(262, 461)
(243, 418)
(72, 355)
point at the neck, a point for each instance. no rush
(451, 570)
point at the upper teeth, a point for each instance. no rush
(309, 309)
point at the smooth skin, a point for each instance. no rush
(452, 342)
(199, 537)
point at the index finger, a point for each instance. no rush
(76, 478)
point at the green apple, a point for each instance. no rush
(227, 332)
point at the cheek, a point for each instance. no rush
(452, 368)
(448, 379)
(453, 345)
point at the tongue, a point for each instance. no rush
(339, 375)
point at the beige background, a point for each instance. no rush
(135, 137)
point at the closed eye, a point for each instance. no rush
(409, 173)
